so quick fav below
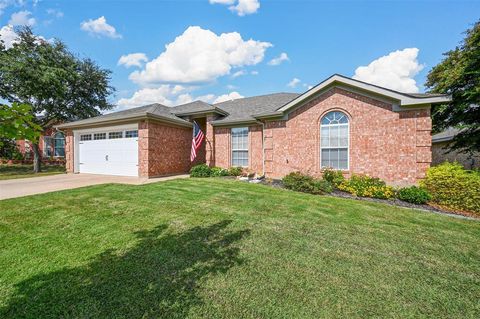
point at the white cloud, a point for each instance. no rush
(279, 59)
(133, 59)
(245, 7)
(22, 18)
(394, 71)
(170, 95)
(294, 82)
(55, 12)
(100, 27)
(241, 7)
(239, 73)
(222, 1)
(164, 94)
(199, 55)
(254, 72)
(8, 36)
(228, 97)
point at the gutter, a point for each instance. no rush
(145, 116)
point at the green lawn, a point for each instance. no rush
(193, 248)
(24, 171)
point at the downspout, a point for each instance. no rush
(263, 147)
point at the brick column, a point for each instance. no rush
(143, 152)
(209, 141)
(69, 151)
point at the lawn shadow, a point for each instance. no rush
(158, 277)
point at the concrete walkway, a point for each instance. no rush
(38, 185)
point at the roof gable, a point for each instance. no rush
(402, 99)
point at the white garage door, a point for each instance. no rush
(109, 153)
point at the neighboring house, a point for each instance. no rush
(341, 123)
(52, 145)
(441, 154)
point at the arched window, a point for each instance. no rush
(59, 144)
(334, 141)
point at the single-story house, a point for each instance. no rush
(441, 152)
(51, 145)
(341, 123)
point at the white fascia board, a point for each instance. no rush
(336, 80)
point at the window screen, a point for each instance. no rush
(334, 141)
(240, 146)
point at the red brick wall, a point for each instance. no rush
(223, 148)
(394, 146)
(163, 149)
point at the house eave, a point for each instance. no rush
(73, 125)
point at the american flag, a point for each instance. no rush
(196, 140)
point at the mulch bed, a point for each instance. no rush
(394, 202)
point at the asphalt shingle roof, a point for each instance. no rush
(242, 110)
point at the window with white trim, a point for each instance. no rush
(113, 135)
(133, 133)
(99, 136)
(239, 146)
(334, 141)
(86, 137)
(47, 146)
(59, 144)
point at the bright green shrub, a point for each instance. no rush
(303, 183)
(453, 186)
(365, 186)
(333, 177)
(235, 171)
(201, 170)
(218, 171)
(413, 194)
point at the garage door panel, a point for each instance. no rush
(109, 156)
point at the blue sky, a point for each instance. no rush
(396, 42)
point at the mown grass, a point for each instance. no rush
(24, 171)
(212, 248)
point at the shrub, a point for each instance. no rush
(414, 194)
(303, 183)
(333, 177)
(201, 170)
(235, 171)
(365, 186)
(453, 187)
(218, 171)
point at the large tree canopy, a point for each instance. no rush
(57, 84)
(459, 75)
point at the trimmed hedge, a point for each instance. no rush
(365, 186)
(235, 171)
(299, 182)
(333, 177)
(453, 187)
(218, 171)
(414, 195)
(201, 170)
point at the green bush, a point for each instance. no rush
(333, 177)
(365, 186)
(413, 194)
(453, 187)
(303, 183)
(201, 170)
(235, 171)
(218, 171)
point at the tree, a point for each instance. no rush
(459, 75)
(57, 84)
(17, 122)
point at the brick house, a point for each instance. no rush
(51, 145)
(341, 123)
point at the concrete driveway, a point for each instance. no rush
(37, 185)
